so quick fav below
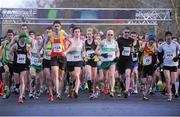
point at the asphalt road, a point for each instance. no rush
(82, 106)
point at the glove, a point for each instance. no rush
(116, 59)
(155, 66)
(175, 59)
(105, 55)
(85, 58)
(96, 58)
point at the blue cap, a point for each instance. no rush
(151, 36)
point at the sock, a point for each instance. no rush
(17, 86)
(89, 82)
(176, 86)
(173, 89)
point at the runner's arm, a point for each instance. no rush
(12, 50)
(29, 52)
(117, 51)
(98, 49)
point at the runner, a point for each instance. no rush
(75, 61)
(21, 59)
(135, 59)
(47, 47)
(109, 52)
(7, 63)
(91, 63)
(58, 59)
(169, 57)
(36, 70)
(124, 64)
(148, 60)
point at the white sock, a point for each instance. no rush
(176, 86)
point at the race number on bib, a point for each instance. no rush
(21, 58)
(169, 55)
(147, 60)
(57, 47)
(48, 54)
(126, 51)
(34, 61)
(89, 52)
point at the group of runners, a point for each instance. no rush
(57, 63)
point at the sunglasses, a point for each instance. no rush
(110, 34)
(126, 32)
(56, 26)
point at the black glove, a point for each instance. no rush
(33, 82)
(92, 55)
(155, 66)
(175, 59)
(105, 55)
(116, 59)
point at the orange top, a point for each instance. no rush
(149, 51)
(58, 44)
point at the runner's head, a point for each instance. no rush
(71, 27)
(32, 34)
(168, 37)
(24, 28)
(39, 38)
(110, 34)
(160, 41)
(134, 35)
(151, 37)
(175, 39)
(22, 37)
(48, 31)
(126, 32)
(57, 26)
(77, 32)
(90, 33)
(10, 34)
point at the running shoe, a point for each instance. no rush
(31, 95)
(50, 98)
(20, 100)
(111, 94)
(126, 94)
(170, 98)
(16, 91)
(176, 95)
(105, 91)
(6, 94)
(96, 95)
(145, 98)
(59, 97)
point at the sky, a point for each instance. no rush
(25, 3)
(15, 3)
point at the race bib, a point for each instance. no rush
(34, 61)
(57, 47)
(111, 55)
(169, 55)
(21, 58)
(89, 52)
(48, 54)
(126, 51)
(147, 60)
(74, 57)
